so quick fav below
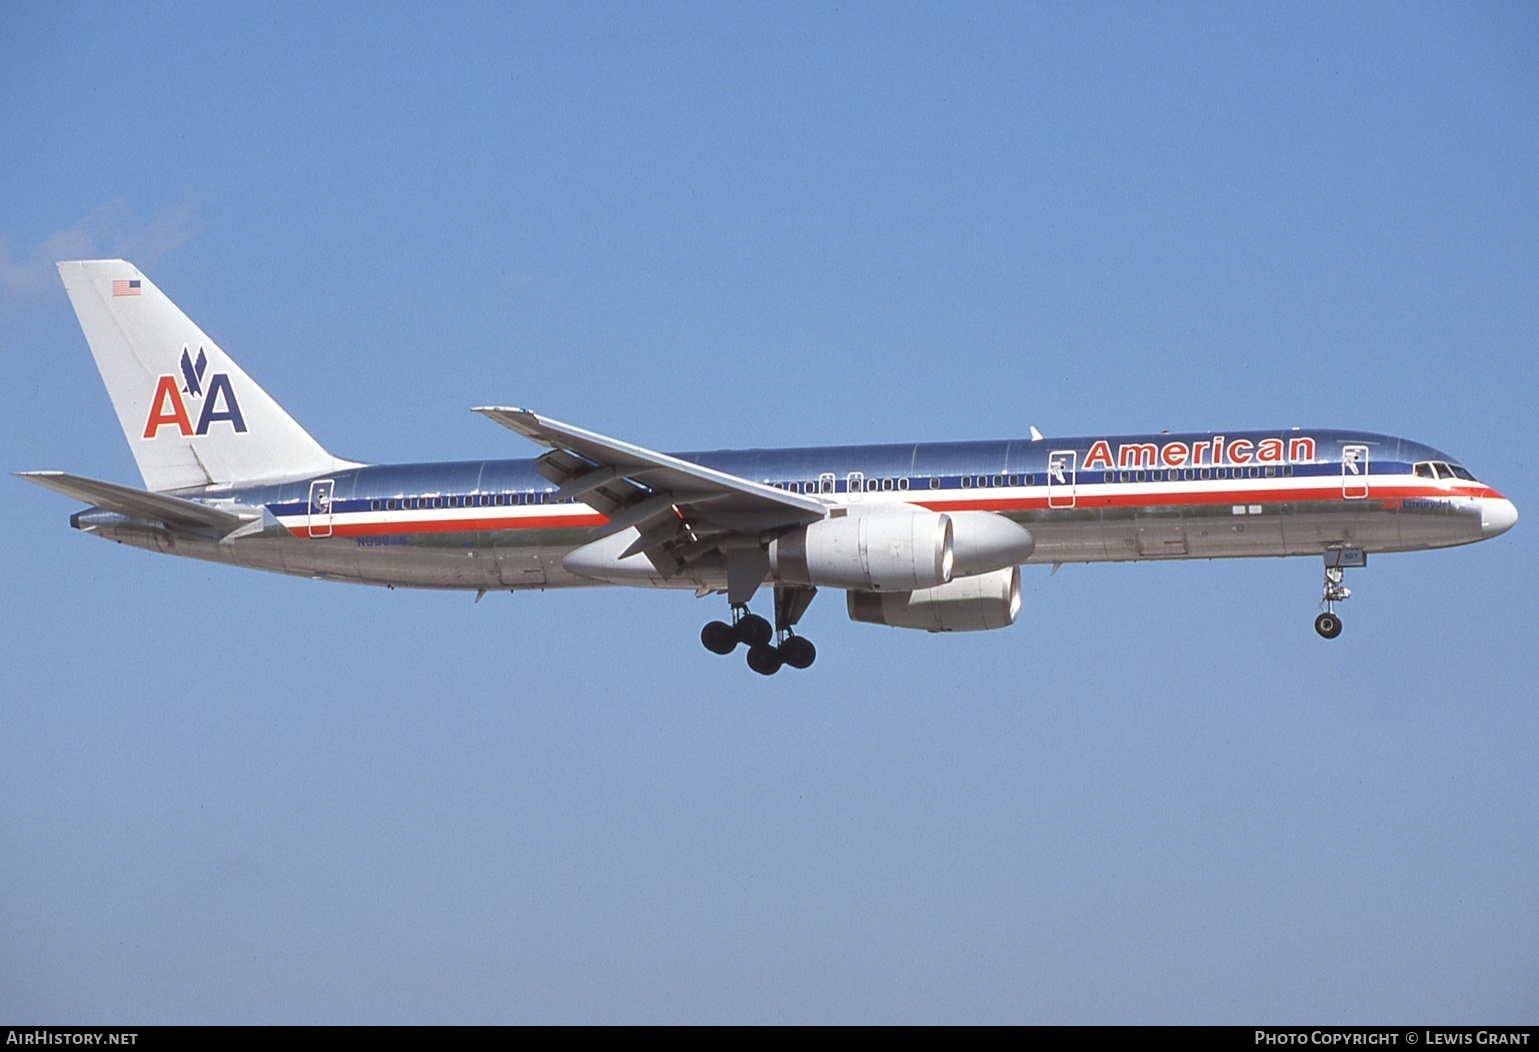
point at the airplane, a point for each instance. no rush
(927, 535)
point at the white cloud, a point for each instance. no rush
(110, 230)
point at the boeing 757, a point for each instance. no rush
(928, 535)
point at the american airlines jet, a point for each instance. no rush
(929, 535)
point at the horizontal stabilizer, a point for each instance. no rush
(136, 503)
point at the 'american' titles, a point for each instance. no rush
(1212, 451)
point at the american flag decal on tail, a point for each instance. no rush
(125, 287)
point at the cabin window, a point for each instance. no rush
(903, 483)
(934, 482)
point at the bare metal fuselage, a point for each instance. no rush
(492, 525)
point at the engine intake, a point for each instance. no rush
(984, 541)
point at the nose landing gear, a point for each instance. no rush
(1337, 560)
(765, 657)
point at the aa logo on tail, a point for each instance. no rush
(169, 408)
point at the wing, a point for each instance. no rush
(679, 509)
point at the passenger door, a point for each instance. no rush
(1354, 472)
(320, 507)
(1061, 465)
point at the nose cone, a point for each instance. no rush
(1497, 514)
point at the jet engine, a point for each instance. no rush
(967, 604)
(879, 550)
(984, 541)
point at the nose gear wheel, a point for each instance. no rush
(1328, 624)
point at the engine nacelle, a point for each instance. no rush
(878, 550)
(967, 604)
(984, 541)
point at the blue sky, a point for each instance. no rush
(1158, 797)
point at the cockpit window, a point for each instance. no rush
(1436, 469)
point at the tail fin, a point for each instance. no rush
(192, 417)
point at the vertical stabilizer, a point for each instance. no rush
(192, 417)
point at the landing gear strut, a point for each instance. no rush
(1337, 560)
(766, 657)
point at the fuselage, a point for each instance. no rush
(498, 524)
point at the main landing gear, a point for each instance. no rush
(765, 657)
(1337, 560)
